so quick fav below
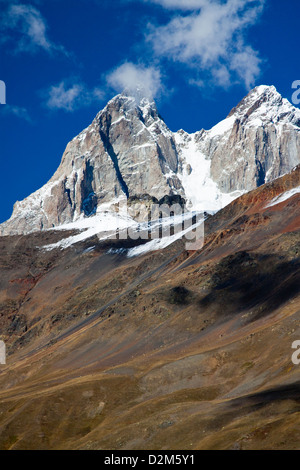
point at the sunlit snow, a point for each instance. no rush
(284, 196)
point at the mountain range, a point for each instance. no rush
(128, 152)
(168, 348)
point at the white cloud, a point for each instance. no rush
(210, 39)
(70, 96)
(180, 4)
(247, 65)
(138, 79)
(17, 111)
(29, 29)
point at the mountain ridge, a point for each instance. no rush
(165, 350)
(128, 150)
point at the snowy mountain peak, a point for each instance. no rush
(133, 98)
(128, 151)
(264, 105)
(128, 108)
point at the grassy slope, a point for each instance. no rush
(173, 350)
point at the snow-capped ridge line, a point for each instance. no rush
(128, 151)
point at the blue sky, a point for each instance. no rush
(62, 60)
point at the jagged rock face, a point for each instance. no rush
(141, 148)
(263, 143)
(258, 142)
(128, 150)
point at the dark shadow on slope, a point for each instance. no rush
(253, 283)
(89, 198)
(179, 295)
(264, 398)
(243, 406)
(109, 149)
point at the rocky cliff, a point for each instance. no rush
(129, 151)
